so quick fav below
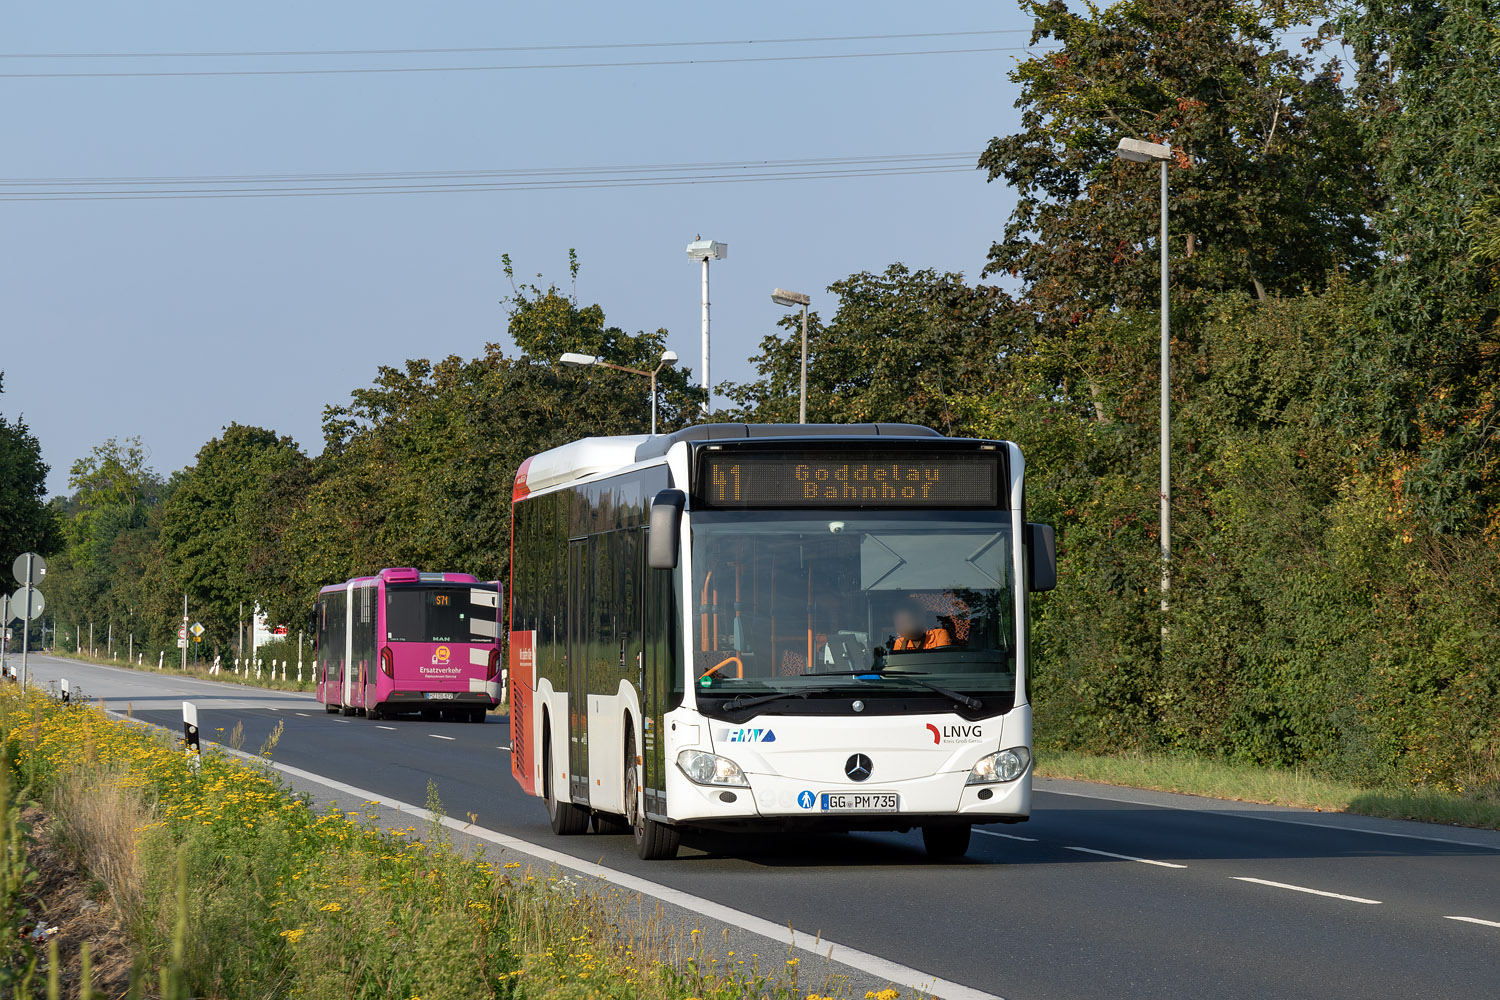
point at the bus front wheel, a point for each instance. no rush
(653, 841)
(566, 818)
(949, 840)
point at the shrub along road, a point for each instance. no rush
(1106, 892)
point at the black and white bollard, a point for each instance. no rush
(67, 695)
(190, 725)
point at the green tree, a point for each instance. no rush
(26, 522)
(903, 346)
(1427, 376)
(212, 518)
(1269, 188)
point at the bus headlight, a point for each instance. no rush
(1007, 765)
(710, 769)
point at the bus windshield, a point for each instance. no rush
(791, 601)
(429, 614)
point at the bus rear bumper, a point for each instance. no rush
(406, 701)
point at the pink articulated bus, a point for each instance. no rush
(408, 642)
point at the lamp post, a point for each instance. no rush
(1140, 151)
(782, 297)
(707, 250)
(668, 358)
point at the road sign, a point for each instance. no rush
(38, 567)
(27, 603)
(197, 629)
(182, 644)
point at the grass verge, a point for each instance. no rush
(226, 674)
(231, 886)
(1249, 783)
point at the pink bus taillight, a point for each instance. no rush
(494, 665)
(387, 662)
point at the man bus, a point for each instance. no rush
(785, 627)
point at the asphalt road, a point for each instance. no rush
(1107, 892)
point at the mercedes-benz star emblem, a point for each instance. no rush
(858, 767)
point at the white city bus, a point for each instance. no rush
(774, 627)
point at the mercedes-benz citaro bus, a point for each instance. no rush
(403, 641)
(748, 627)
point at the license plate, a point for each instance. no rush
(861, 802)
(441, 695)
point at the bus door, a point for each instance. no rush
(347, 671)
(579, 619)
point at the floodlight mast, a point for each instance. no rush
(782, 297)
(705, 251)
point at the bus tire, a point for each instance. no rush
(330, 708)
(374, 714)
(565, 818)
(947, 840)
(653, 841)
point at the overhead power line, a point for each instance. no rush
(511, 48)
(350, 71)
(435, 182)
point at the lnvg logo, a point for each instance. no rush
(747, 736)
(955, 734)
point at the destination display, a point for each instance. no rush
(863, 479)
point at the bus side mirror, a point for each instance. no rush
(664, 539)
(1041, 557)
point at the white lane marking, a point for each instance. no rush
(1303, 888)
(502, 748)
(1007, 836)
(1121, 857)
(1271, 817)
(1476, 920)
(303, 714)
(437, 737)
(344, 721)
(391, 728)
(814, 944)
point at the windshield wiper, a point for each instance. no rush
(973, 704)
(740, 702)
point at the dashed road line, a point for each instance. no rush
(1303, 888)
(1476, 920)
(391, 728)
(1007, 836)
(437, 737)
(1121, 857)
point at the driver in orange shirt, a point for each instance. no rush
(912, 634)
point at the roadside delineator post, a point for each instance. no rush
(66, 694)
(159, 657)
(190, 725)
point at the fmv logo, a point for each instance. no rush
(953, 734)
(747, 736)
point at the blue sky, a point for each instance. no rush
(170, 319)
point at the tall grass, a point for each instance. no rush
(239, 889)
(1254, 783)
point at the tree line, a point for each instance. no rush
(1335, 271)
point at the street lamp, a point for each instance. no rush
(668, 358)
(782, 297)
(707, 250)
(1140, 151)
